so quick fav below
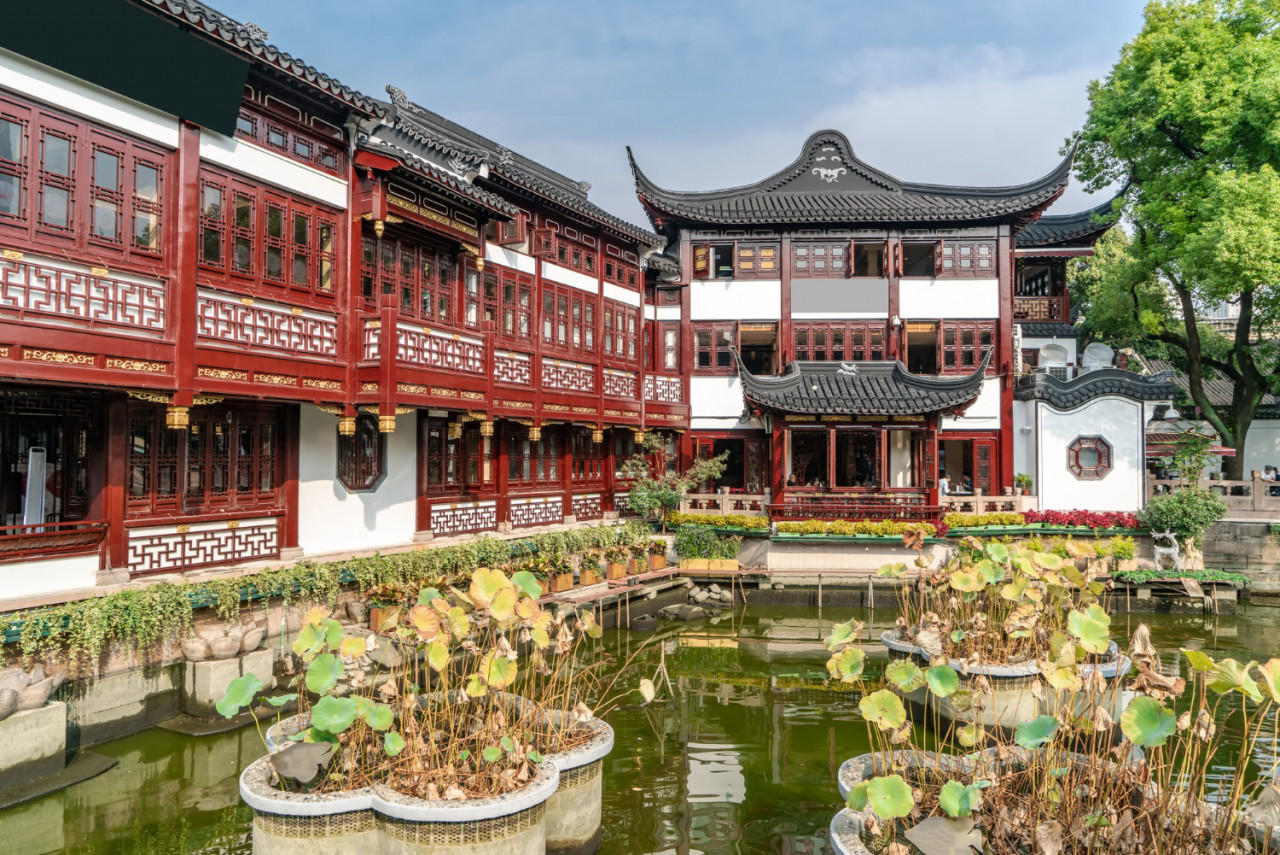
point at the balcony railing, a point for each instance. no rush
(908, 507)
(750, 504)
(25, 542)
(1253, 499)
(1056, 309)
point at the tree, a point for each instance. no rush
(1189, 118)
(656, 484)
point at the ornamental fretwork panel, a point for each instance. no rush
(439, 350)
(568, 376)
(180, 547)
(38, 292)
(512, 368)
(586, 506)
(463, 517)
(665, 390)
(269, 326)
(622, 506)
(371, 343)
(619, 384)
(548, 510)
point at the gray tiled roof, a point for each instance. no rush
(466, 146)
(452, 183)
(1079, 229)
(1048, 329)
(1064, 395)
(829, 184)
(252, 40)
(859, 388)
(1217, 388)
(663, 263)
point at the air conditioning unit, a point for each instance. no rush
(1060, 372)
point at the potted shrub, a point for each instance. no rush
(384, 600)
(615, 562)
(657, 550)
(559, 574)
(694, 545)
(724, 555)
(1055, 783)
(464, 764)
(1022, 481)
(589, 570)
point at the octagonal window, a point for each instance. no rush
(1089, 458)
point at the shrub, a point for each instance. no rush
(1187, 513)
(850, 528)
(979, 520)
(719, 520)
(1088, 519)
(693, 542)
(1138, 577)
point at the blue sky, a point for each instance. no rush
(715, 94)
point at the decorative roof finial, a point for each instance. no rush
(585, 187)
(255, 32)
(398, 98)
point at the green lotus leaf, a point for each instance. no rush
(392, 743)
(970, 734)
(957, 636)
(534, 756)
(1014, 590)
(352, 647)
(1034, 733)
(891, 571)
(1229, 675)
(943, 680)
(1270, 678)
(459, 623)
(426, 595)
(527, 582)
(437, 655)
(541, 638)
(476, 687)
(1092, 627)
(332, 634)
(1146, 723)
(589, 625)
(309, 641)
(857, 798)
(841, 634)
(1073, 575)
(379, 717)
(239, 695)
(333, 715)
(1025, 566)
(967, 582)
(278, 701)
(503, 606)
(905, 675)
(497, 670)
(884, 709)
(890, 797)
(846, 666)
(1064, 678)
(991, 572)
(491, 754)
(323, 673)
(957, 799)
(508, 744)
(997, 551)
(485, 584)
(1197, 660)
(1046, 560)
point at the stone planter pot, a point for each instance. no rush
(615, 571)
(723, 564)
(1011, 701)
(277, 735)
(573, 813)
(380, 821)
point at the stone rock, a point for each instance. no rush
(37, 674)
(726, 596)
(8, 703)
(224, 647)
(715, 589)
(688, 583)
(644, 623)
(652, 595)
(194, 649)
(778, 587)
(252, 639)
(34, 696)
(691, 613)
(356, 611)
(15, 679)
(702, 597)
(59, 676)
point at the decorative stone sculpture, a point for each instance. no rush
(1172, 551)
(27, 690)
(224, 643)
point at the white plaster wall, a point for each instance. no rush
(510, 258)
(949, 298)
(662, 313)
(1120, 422)
(984, 413)
(48, 576)
(273, 168)
(726, 300)
(715, 397)
(1036, 342)
(331, 519)
(1262, 445)
(900, 458)
(572, 278)
(1024, 440)
(622, 295)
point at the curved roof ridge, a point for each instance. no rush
(1060, 228)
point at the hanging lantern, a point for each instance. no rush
(597, 437)
(535, 434)
(346, 426)
(455, 430)
(638, 433)
(379, 227)
(486, 428)
(386, 424)
(177, 418)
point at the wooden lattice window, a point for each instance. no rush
(975, 259)
(756, 261)
(517, 304)
(712, 345)
(587, 458)
(1089, 458)
(819, 259)
(670, 346)
(533, 461)
(839, 342)
(444, 455)
(362, 456)
(421, 276)
(254, 126)
(963, 344)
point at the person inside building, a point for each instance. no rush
(944, 485)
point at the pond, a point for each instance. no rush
(743, 761)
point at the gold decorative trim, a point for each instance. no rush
(347, 426)
(368, 387)
(4, 351)
(404, 411)
(246, 301)
(473, 396)
(526, 422)
(233, 523)
(311, 383)
(331, 409)
(183, 528)
(597, 437)
(12, 255)
(99, 271)
(386, 424)
(275, 379)
(296, 310)
(177, 418)
(136, 365)
(441, 392)
(556, 408)
(153, 397)
(486, 428)
(206, 400)
(517, 405)
(455, 430)
(411, 389)
(222, 373)
(433, 216)
(60, 357)
(587, 410)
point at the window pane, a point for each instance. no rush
(212, 202)
(57, 155)
(275, 137)
(106, 220)
(10, 141)
(275, 262)
(1089, 458)
(245, 125)
(244, 212)
(299, 269)
(10, 195)
(301, 229)
(275, 221)
(326, 275)
(325, 237)
(212, 246)
(106, 170)
(54, 207)
(146, 231)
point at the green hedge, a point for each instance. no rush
(850, 528)
(1140, 577)
(718, 520)
(979, 520)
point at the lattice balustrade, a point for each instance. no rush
(37, 291)
(463, 517)
(568, 376)
(513, 368)
(586, 506)
(371, 343)
(547, 510)
(664, 390)
(157, 549)
(270, 326)
(439, 350)
(622, 506)
(619, 384)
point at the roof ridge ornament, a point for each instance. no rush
(255, 32)
(849, 369)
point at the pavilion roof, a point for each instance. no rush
(1081, 229)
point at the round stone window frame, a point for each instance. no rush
(1095, 472)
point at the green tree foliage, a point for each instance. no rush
(1189, 119)
(656, 482)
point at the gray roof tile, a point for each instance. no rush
(1064, 395)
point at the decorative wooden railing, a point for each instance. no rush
(751, 504)
(24, 542)
(1252, 499)
(1042, 309)
(980, 503)
(906, 508)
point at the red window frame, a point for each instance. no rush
(117, 217)
(263, 129)
(479, 297)
(668, 347)
(362, 456)
(587, 458)
(421, 275)
(961, 345)
(965, 259)
(567, 321)
(267, 243)
(444, 455)
(821, 259)
(1095, 471)
(757, 260)
(517, 305)
(840, 342)
(711, 348)
(530, 462)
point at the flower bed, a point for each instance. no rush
(859, 528)
(1085, 519)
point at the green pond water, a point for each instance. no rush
(743, 761)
